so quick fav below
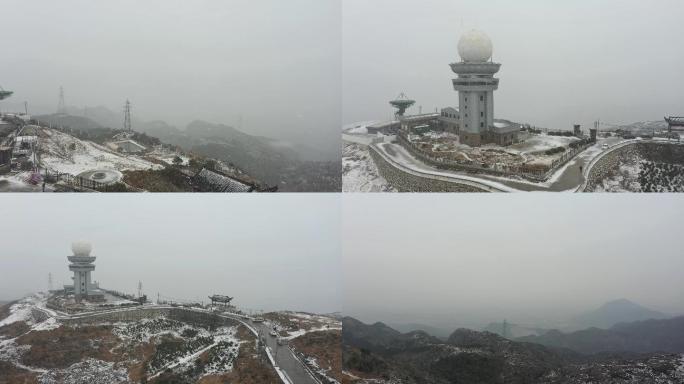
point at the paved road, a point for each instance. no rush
(284, 357)
(569, 178)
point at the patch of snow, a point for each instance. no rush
(359, 172)
(64, 153)
(87, 372)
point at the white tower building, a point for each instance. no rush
(475, 85)
(82, 265)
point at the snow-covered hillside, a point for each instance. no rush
(35, 346)
(359, 172)
(61, 152)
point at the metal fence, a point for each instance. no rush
(79, 182)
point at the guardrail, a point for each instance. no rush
(306, 367)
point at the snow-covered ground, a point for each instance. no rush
(359, 172)
(305, 323)
(87, 372)
(539, 143)
(312, 363)
(624, 181)
(64, 153)
(19, 182)
(219, 347)
(167, 156)
(23, 310)
(358, 128)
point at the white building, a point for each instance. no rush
(82, 266)
(476, 85)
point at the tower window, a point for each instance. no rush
(481, 98)
(482, 124)
(466, 99)
(466, 115)
(481, 114)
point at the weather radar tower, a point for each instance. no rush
(475, 85)
(82, 266)
(401, 104)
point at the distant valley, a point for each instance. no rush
(292, 167)
(379, 354)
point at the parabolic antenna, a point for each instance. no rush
(5, 94)
(402, 103)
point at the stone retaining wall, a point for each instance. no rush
(407, 182)
(609, 163)
(179, 314)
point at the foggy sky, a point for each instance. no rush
(276, 63)
(270, 253)
(563, 62)
(467, 260)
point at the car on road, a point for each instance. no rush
(281, 341)
(605, 146)
(273, 333)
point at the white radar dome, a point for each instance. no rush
(81, 248)
(475, 46)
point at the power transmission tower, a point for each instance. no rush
(61, 106)
(127, 117)
(139, 289)
(505, 326)
(49, 282)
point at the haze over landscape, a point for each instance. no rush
(182, 247)
(537, 261)
(563, 63)
(268, 68)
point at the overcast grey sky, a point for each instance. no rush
(467, 260)
(269, 252)
(563, 62)
(276, 63)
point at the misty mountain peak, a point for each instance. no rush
(616, 311)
